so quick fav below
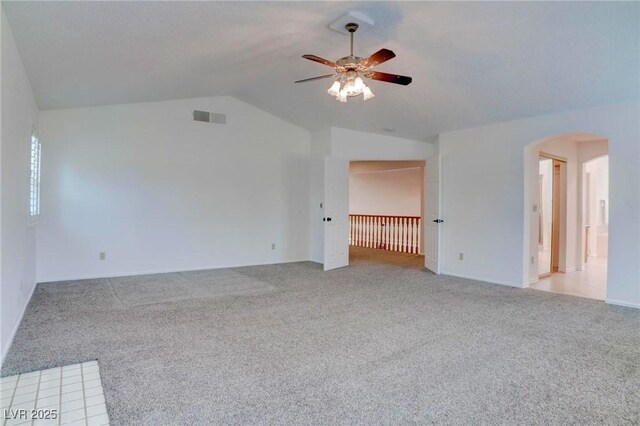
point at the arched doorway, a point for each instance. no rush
(560, 220)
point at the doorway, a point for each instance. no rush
(335, 212)
(568, 232)
(386, 207)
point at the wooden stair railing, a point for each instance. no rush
(393, 233)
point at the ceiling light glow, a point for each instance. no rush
(348, 87)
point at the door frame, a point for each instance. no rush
(562, 248)
(423, 211)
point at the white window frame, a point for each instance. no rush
(35, 155)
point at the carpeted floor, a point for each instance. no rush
(374, 343)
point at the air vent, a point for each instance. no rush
(209, 117)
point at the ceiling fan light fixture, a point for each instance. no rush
(351, 69)
(334, 90)
(353, 87)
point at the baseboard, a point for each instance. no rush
(160, 271)
(5, 351)
(622, 303)
(486, 280)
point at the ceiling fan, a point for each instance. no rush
(350, 70)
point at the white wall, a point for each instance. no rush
(587, 150)
(159, 192)
(484, 193)
(597, 207)
(355, 145)
(18, 241)
(386, 192)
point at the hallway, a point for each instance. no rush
(590, 283)
(363, 256)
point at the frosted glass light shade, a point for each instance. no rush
(334, 90)
(367, 93)
(342, 96)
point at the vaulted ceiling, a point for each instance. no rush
(472, 63)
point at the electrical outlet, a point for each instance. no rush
(103, 255)
(273, 246)
(461, 256)
(533, 260)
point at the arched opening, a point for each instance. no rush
(566, 214)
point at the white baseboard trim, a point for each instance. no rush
(5, 350)
(486, 280)
(622, 303)
(160, 271)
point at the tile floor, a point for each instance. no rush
(69, 395)
(590, 282)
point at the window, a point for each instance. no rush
(34, 177)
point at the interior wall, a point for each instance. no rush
(386, 192)
(484, 212)
(157, 191)
(587, 151)
(19, 114)
(597, 207)
(355, 145)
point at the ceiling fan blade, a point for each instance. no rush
(389, 78)
(315, 78)
(382, 55)
(320, 60)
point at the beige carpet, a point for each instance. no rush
(374, 343)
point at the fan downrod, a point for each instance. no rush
(351, 27)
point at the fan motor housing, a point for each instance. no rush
(350, 63)
(348, 60)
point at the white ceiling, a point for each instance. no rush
(472, 63)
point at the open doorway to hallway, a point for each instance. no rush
(570, 209)
(386, 207)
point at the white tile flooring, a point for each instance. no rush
(69, 395)
(590, 282)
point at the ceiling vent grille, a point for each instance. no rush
(209, 117)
